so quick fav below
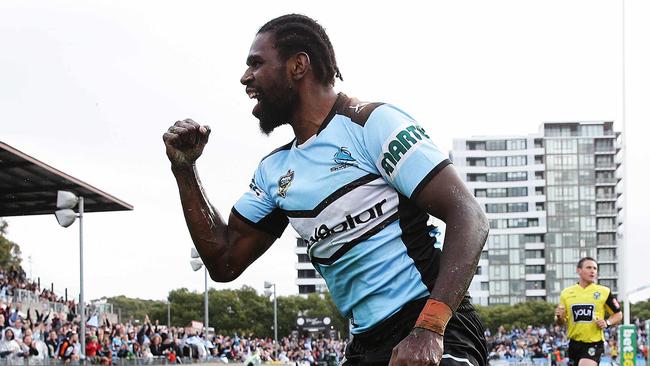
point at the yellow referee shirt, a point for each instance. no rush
(583, 307)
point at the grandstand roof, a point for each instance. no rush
(28, 187)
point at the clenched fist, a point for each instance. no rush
(184, 142)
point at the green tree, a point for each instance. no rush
(535, 313)
(640, 310)
(135, 309)
(242, 311)
(9, 251)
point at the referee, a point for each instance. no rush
(587, 303)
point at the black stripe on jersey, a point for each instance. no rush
(358, 111)
(281, 148)
(273, 223)
(332, 197)
(612, 303)
(340, 100)
(419, 245)
(349, 245)
(428, 177)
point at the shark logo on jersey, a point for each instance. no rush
(343, 159)
(284, 182)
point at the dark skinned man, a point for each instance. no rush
(358, 184)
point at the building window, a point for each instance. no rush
(535, 254)
(516, 144)
(496, 161)
(307, 273)
(535, 285)
(303, 258)
(513, 223)
(306, 289)
(535, 269)
(493, 145)
(607, 255)
(476, 161)
(608, 269)
(476, 177)
(475, 145)
(592, 130)
(606, 239)
(517, 176)
(517, 160)
(604, 145)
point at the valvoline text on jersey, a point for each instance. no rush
(350, 222)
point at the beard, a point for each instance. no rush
(275, 109)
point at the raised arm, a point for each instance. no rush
(226, 249)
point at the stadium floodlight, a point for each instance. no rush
(196, 264)
(267, 287)
(65, 216)
(65, 199)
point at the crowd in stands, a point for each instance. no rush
(56, 336)
(541, 343)
(14, 278)
(33, 336)
(30, 335)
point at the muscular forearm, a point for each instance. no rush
(465, 237)
(208, 229)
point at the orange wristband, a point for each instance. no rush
(434, 316)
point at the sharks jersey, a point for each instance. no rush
(347, 191)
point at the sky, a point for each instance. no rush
(89, 87)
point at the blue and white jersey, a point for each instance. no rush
(347, 191)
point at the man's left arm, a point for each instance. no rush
(613, 307)
(446, 197)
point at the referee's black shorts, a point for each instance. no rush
(579, 350)
(464, 340)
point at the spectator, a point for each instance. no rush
(8, 346)
(27, 349)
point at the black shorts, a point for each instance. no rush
(464, 340)
(579, 350)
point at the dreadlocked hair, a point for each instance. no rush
(295, 33)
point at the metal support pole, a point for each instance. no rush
(205, 300)
(169, 315)
(275, 314)
(82, 307)
(623, 247)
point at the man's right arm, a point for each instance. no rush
(226, 249)
(560, 312)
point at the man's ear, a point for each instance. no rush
(299, 65)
